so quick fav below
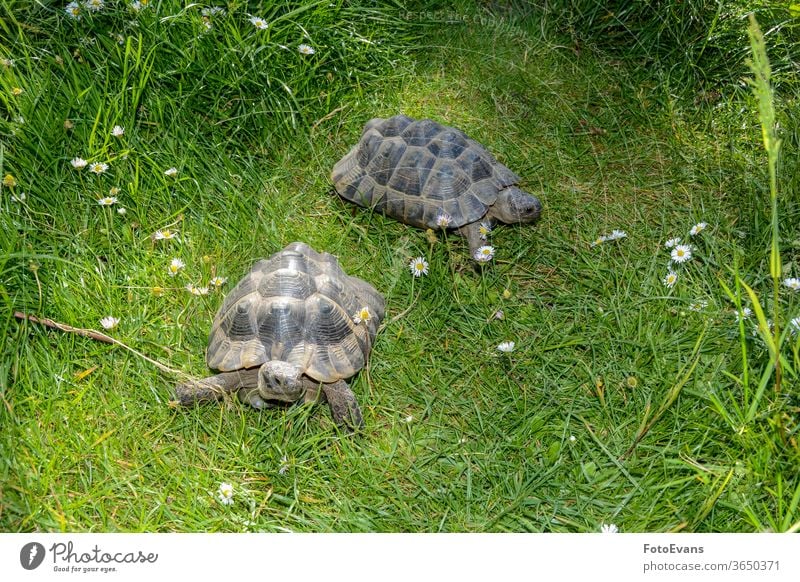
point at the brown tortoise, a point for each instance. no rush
(295, 327)
(432, 176)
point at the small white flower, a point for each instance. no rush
(73, 10)
(218, 281)
(506, 347)
(409, 419)
(121, 210)
(175, 266)
(484, 229)
(681, 253)
(499, 314)
(78, 163)
(572, 438)
(617, 235)
(698, 228)
(98, 167)
(745, 314)
(599, 240)
(109, 322)
(196, 290)
(213, 11)
(225, 494)
(113, 191)
(419, 267)
(107, 201)
(609, 528)
(164, 234)
(284, 465)
(362, 315)
(94, 5)
(794, 325)
(306, 49)
(137, 6)
(484, 254)
(259, 23)
(670, 279)
(170, 171)
(792, 283)
(8, 63)
(698, 305)
(443, 219)
(672, 243)
(18, 197)
(118, 131)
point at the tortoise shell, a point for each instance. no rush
(415, 171)
(297, 306)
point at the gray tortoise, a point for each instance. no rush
(432, 176)
(295, 327)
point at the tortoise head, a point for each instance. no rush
(514, 205)
(281, 381)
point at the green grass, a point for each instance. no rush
(459, 437)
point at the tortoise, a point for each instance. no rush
(295, 327)
(432, 176)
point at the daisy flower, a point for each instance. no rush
(78, 163)
(9, 181)
(506, 347)
(218, 281)
(121, 210)
(306, 49)
(484, 254)
(164, 234)
(118, 131)
(794, 325)
(213, 11)
(572, 438)
(744, 314)
(94, 5)
(609, 528)
(107, 201)
(175, 266)
(362, 315)
(109, 322)
(17, 91)
(284, 465)
(599, 240)
(670, 279)
(419, 267)
(792, 283)
(484, 229)
(170, 171)
(698, 228)
(8, 63)
(443, 220)
(409, 419)
(617, 235)
(225, 494)
(196, 290)
(672, 243)
(681, 253)
(113, 191)
(18, 197)
(698, 305)
(73, 10)
(259, 23)
(98, 167)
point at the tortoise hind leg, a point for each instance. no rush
(344, 407)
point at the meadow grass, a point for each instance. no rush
(624, 401)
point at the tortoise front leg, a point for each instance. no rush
(214, 387)
(344, 407)
(472, 233)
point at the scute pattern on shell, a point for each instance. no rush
(297, 306)
(416, 170)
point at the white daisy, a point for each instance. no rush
(113, 191)
(794, 325)
(306, 49)
(609, 528)
(419, 267)
(118, 131)
(18, 197)
(745, 314)
(670, 279)
(484, 229)
(259, 23)
(73, 10)
(681, 253)
(284, 465)
(8, 63)
(78, 163)
(572, 438)
(617, 235)
(225, 494)
(170, 171)
(443, 219)
(107, 201)
(175, 266)
(698, 228)
(94, 5)
(98, 167)
(409, 419)
(698, 305)
(218, 281)
(484, 254)
(164, 234)
(792, 283)
(672, 243)
(362, 315)
(194, 290)
(213, 11)
(109, 322)
(599, 240)
(506, 347)
(121, 210)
